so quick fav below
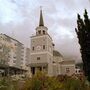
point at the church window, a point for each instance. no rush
(39, 32)
(33, 48)
(67, 70)
(38, 58)
(76, 71)
(43, 32)
(14, 61)
(79, 71)
(14, 57)
(43, 46)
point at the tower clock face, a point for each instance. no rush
(38, 47)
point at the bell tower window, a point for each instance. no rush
(38, 58)
(39, 32)
(43, 46)
(33, 48)
(43, 32)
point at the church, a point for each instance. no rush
(44, 57)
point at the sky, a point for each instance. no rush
(19, 18)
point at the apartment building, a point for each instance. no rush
(26, 60)
(12, 51)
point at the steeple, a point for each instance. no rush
(41, 29)
(41, 23)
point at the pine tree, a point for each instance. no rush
(83, 34)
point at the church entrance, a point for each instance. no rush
(38, 68)
(33, 70)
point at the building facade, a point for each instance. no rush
(43, 57)
(12, 51)
(26, 60)
(41, 49)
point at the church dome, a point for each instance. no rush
(56, 53)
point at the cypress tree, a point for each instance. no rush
(83, 34)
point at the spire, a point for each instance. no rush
(41, 23)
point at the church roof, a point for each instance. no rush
(68, 62)
(56, 53)
(41, 23)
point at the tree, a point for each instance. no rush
(83, 34)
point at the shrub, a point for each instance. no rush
(42, 82)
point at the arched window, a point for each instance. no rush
(33, 48)
(39, 32)
(43, 32)
(43, 46)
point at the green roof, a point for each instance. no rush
(56, 53)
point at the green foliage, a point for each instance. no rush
(83, 34)
(72, 84)
(4, 84)
(80, 65)
(42, 82)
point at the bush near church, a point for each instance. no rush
(40, 81)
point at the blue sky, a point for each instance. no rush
(19, 18)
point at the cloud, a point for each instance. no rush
(19, 18)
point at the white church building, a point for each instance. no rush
(43, 57)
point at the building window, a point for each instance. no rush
(14, 61)
(43, 46)
(39, 32)
(15, 44)
(79, 71)
(38, 58)
(76, 71)
(43, 32)
(21, 58)
(9, 57)
(67, 70)
(33, 48)
(14, 57)
(53, 61)
(1, 47)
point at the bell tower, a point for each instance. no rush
(41, 49)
